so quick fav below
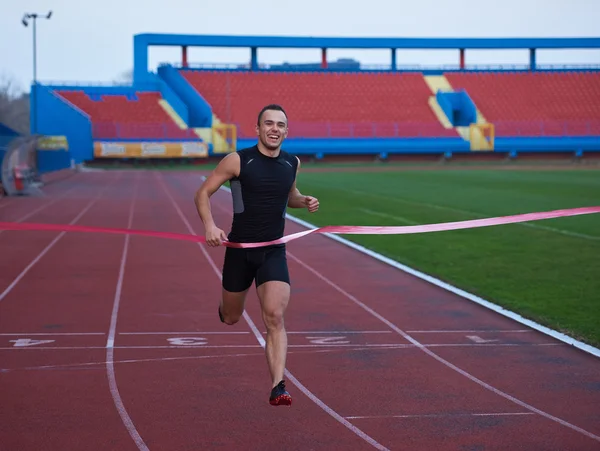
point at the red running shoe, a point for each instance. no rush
(280, 396)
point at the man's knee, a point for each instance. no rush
(273, 319)
(230, 319)
(232, 307)
(274, 299)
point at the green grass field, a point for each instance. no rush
(548, 271)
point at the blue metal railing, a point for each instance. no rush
(163, 131)
(367, 129)
(548, 128)
(544, 128)
(387, 67)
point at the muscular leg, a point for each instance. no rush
(236, 281)
(232, 306)
(274, 297)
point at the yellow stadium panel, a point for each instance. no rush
(481, 136)
(224, 138)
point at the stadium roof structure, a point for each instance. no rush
(151, 39)
(142, 42)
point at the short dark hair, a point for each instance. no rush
(272, 106)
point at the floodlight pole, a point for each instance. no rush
(33, 100)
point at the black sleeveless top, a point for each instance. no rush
(260, 195)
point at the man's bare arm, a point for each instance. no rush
(298, 200)
(227, 168)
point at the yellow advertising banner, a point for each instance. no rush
(184, 149)
(48, 142)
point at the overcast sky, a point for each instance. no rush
(92, 41)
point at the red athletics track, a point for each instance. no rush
(113, 342)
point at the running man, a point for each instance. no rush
(263, 185)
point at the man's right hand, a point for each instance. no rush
(215, 236)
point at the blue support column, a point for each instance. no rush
(254, 59)
(140, 60)
(531, 59)
(393, 59)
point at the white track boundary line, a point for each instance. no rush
(448, 415)
(446, 286)
(490, 331)
(51, 334)
(110, 367)
(429, 352)
(336, 332)
(184, 333)
(262, 342)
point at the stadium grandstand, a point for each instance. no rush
(195, 111)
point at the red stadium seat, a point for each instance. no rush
(535, 103)
(117, 117)
(324, 104)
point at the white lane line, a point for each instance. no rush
(372, 346)
(110, 367)
(184, 333)
(441, 415)
(51, 334)
(264, 332)
(84, 348)
(261, 340)
(348, 332)
(169, 359)
(160, 359)
(448, 331)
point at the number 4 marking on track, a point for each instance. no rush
(327, 340)
(22, 342)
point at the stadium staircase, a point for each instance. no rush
(211, 135)
(440, 86)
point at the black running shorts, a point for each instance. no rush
(243, 266)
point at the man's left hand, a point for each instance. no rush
(312, 203)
